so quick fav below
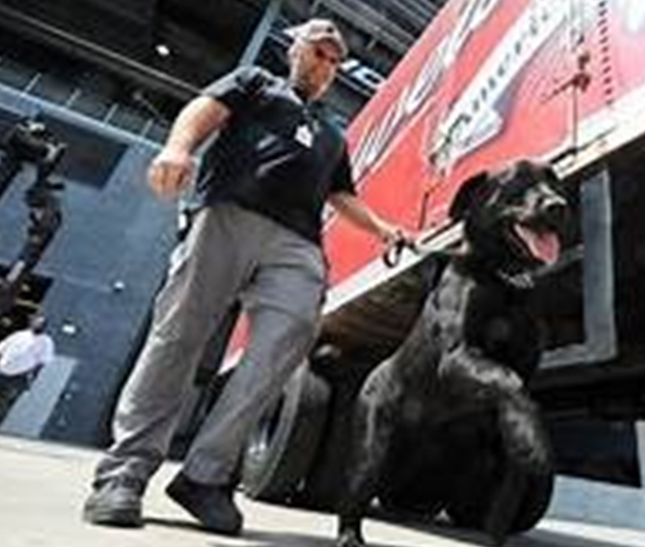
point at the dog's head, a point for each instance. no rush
(514, 219)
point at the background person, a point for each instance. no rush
(277, 160)
(22, 355)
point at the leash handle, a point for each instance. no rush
(392, 256)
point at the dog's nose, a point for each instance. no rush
(554, 207)
(326, 354)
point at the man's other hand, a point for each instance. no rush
(170, 172)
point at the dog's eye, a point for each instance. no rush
(517, 193)
(524, 188)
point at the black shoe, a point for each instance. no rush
(212, 506)
(115, 502)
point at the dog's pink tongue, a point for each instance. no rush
(543, 246)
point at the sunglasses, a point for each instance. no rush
(322, 54)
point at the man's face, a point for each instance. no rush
(314, 66)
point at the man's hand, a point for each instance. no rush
(170, 172)
(32, 375)
(396, 239)
(394, 235)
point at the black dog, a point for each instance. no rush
(457, 383)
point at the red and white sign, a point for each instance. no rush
(488, 81)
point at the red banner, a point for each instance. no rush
(488, 81)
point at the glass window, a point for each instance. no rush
(158, 131)
(91, 104)
(15, 74)
(53, 89)
(128, 118)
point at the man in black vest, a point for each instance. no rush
(277, 160)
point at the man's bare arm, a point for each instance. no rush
(172, 168)
(362, 216)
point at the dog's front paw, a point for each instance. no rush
(350, 539)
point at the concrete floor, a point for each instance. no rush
(43, 487)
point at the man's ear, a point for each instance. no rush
(473, 192)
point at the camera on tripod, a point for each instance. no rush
(31, 141)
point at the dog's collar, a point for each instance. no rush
(522, 281)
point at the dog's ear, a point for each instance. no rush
(550, 175)
(474, 191)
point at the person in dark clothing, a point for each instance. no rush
(277, 160)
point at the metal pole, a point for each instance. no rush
(260, 33)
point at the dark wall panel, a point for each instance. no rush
(104, 267)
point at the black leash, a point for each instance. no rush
(392, 256)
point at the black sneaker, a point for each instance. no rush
(115, 502)
(212, 506)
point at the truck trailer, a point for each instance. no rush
(491, 81)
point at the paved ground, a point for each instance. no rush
(43, 487)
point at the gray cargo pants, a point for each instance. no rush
(230, 254)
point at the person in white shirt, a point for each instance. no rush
(22, 355)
